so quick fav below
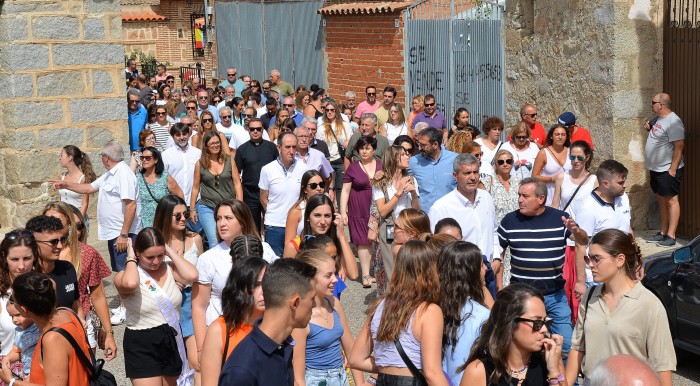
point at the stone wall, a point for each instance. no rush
(61, 67)
(601, 60)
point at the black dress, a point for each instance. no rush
(536, 373)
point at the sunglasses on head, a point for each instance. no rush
(580, 158)
(18, 233)
(54, 242)
(537, 323)
(180, 216)
(314, 185)
(508, 161)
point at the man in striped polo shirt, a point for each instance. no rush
(536, 235)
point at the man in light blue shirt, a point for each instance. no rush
(138, 117)
(432, 168)
(203, 104)
(231, 80)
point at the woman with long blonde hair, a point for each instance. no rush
(336, 134)
(207, 124)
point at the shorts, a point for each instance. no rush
(186, 313)
(329, 377)
(664, 184)
(151, 353)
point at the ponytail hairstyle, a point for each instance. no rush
(616, 242)
(82, 161)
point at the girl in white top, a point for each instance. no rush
(524, 151)
(78, 170)
(395, 125)
(490, 144)
(553, 159)
(152, 299)
(233, 219)
(333, 124)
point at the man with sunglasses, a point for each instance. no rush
(162, 74)
(289, 105)
(138, 117)
(536, 235)
(369, 106)
(203, 104)
(242, 134)
(528, 115)
(431, 115)
(250, 157)
(577, 133)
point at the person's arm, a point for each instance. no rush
(290, 228)
(540, 162)
(133, 164)
(174, 188)
(129, 215)
(580, 263)
(299, 355)
(264, 198)
(360, 357)
(346, 160)
(99, 302)
(577, 234)
(183, 271)
(289, 251)
(14, 356)
(344, 197)
(430, 322)
(676, 160)
(201, 296)
(84, 206)
(210, 365)
(666, 378)
(557, 191)
(573, 366)
(237, 186)
(224, 144)
(127, 281)
(195, 193)
(348, 258)
(82, 188)
(346, 340)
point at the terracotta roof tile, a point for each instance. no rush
(142, 16)
(363, 8)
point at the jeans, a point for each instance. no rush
(330, 377)
(117, 259)
(208, 223)
(490, 278)
(396, 380)
(275, 237)
(557, 307)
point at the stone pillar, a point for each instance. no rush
(61, 64)
(601, 60)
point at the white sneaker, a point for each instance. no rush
(115, 310)
(119, 317)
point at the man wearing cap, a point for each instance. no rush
(664, 159)
(528, 115)
(578, 133)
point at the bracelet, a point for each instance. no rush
(131, 261)
(110, 331)
(552, 381)
(372, 381)
(12, 382)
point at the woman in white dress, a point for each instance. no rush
(553, 159)
(79, 170)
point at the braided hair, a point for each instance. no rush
(246, 246)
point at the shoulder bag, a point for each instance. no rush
(97, 375)
(419, 377)
(576, 191)
(341, 149)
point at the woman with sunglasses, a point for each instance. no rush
(336, 133)
(553, 160)
(514, 347)
(524, 151)
(154, 183)
(91, 270)
(206, 119)
(19, 253)
(78, 169)
(356, 200)
(395, 125)
(620, 316)
(146, 139)
(187, 89)
(407, 143)
(255, 86)
(490, 144)
(503, 187)
(311, 184)
(216, 177)
(191, 107)
(161, 127)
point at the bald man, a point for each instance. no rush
(622, 370)
(664, 159)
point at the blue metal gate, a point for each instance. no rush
(455, 51)
(258, 37)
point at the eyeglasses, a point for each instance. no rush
(478, 155)
(314, 185)
(21, 233)
(146, 157)
(225, 117)
(191, 108)
(655, 102)
(423, 145)
(330, 110)
(580, 158)
(180, 216)
(306, 137)
(429, 104)
(170, 81)
(407, 150)
(231, 74)
(508, 161)
(80, 226)
(202, 97)
(255, 128)
(247, 115)
(286, 105)
(593, 260)
(134, 101)
(54, 242)
(161, 113)
(217, 143)
(530, 115)
(521, 137)
(393, 111)
(207, 120)
(371, 93)
(537, 323)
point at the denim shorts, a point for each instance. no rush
(186, 313)
(396, 380)
(329, 377)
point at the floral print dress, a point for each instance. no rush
(505, 202)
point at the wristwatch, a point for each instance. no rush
(124, 235)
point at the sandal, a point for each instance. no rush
(366, 281)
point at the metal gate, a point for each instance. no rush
(682, 83)
(455, 51)
(259, 37)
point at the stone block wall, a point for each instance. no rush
(61, 67)
(362, 50)
(602, 60)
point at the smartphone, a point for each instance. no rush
(389, 233)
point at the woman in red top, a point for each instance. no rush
(242, 304)
(35, 298)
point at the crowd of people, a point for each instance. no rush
(497, 257)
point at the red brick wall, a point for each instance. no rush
(357, 47)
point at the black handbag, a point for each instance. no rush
(417, 375)
(97, 375)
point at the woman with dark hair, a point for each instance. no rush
(154, 183)
(19, 253)
(163, 94)
(311, 184)
(34, 297)
(146, 139)
(216, 178)
(314, 108)
(354, 208)
(553, 160)
(78, 169)
(318, 352)
(620, 316)
(462, 300)
(277, 127)
(513, 348)
(242, 304)
(490, 143)
(408, 315)
(460, 122)
(237, 106)
(171, 219)
(395, 125)
(154, 351)
(161, 127)
(233, 219)
(407, 143)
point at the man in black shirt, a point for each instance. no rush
(250, 158)
(49, 234)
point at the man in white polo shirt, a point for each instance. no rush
(280, 181)
(180, 160)
(608, 206)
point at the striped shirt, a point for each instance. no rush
(537, 245)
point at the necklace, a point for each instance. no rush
(519, 372)
(179, 251)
